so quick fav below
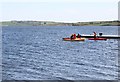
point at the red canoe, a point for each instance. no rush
(97, 39)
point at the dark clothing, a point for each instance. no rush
(78, 36)
(71, 37)
(94, 34)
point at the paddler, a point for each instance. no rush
(74, 36)
(78, 36)
(95, 35)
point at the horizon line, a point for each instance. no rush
(57, 21)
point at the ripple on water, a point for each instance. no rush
(40, 53)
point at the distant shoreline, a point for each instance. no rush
(50, 23)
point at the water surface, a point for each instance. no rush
(39, 53)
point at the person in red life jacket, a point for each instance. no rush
(74, 36)
(78, 36)
(95, 35)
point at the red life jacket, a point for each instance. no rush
(74, 36)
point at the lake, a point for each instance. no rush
(39, 53)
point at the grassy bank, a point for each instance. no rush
(50, 23)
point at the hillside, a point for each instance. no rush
(50, 23)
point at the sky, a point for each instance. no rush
(59, 10)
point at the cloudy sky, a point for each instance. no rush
(59, 10)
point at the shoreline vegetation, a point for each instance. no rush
(50, 23)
